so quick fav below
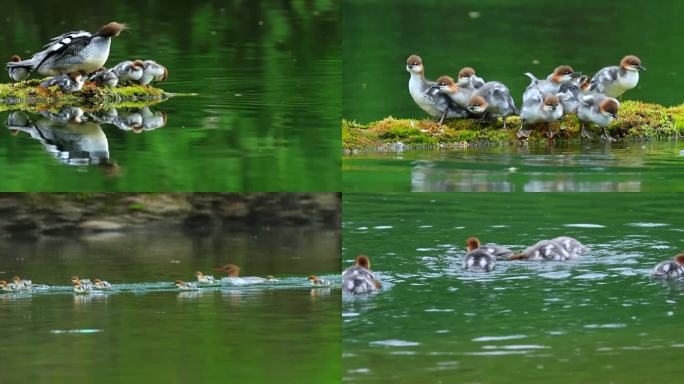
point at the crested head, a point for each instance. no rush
(3, 283)
(680, 259)
(363, 261)
(472, 243)
(232, 270)
(15, 58)
(16, 279)
(75, 278)
(97, 281)
(312, 278)
(610, 106)
(199, 274)
(563, 70)
(112, 29)
(414, 64)
(551, 101)
(138, 64)
(631, 62)
(445, 81)
(477, 104)
(466, 72)
(414, 60)
(179, 282)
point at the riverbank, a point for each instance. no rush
(637, 120)
(31, 214)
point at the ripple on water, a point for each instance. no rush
(584, 225)
(75, 331)
(647, 225)
(497, 338)
(555, 275)
(383, 227)
(607, 325)
(591, 276)
(395, 343)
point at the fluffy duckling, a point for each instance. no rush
(598, 109)
(82, 288)
(561, 75)
(72, 82)
(183, 286)
(499, 252)
(17, 73)
(101, 284)
(153, 72)
(571, 245)
(492, 98)
(459, 95)
(128, 71)
(24, 285)
(545, 250)
(104, 77)
(315, 281)
(467, 79)
(570, 94)
(538, 108)
(85, 283)
(359, 278)
(204, 279)
(8, 287)
(670, 268)
(615, 80)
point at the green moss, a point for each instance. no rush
(636, 120)
(27, 95)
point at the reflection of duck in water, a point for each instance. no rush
(359, 278)
(499, 252)
(134, 120)
(670, 268)
(233, 272)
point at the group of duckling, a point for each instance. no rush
(359, 279)
(564, 91)
(86, 286)
(75, 56)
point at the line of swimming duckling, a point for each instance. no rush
(75, 57)
(87, 286)
(359, 279)
(564, 91)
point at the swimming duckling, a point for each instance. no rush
(23, 285)
(17, 73)
(183, 286)
(670, 268)
(8, 287)
(614, 81)
(204, 279)
(571, 245)
(598, 109)
(127, 71)
(359, 278)
(467, 79)
(72, 82)
(104, 77)
(545, 250)
(317, 282)
(82, 288)
(85, 283)
(101, 284)
(499, 252)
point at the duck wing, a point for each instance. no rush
(67, 43)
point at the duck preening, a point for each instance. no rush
(359, 279)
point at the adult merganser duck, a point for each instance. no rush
(204, 279)
(317, 282)
(233, 272)
(77, 51)
(571, 245)
(101, 284)
(8, 287)
(72, 82)
(598, 109)
(468, 79)
(359, 278)
(670, 268)
(427, 95)
(127, 71)
(17, 73)
(499, 252)
(545, 250)
(153, 72)
(104, 77)
(183, 286)
(614, 81)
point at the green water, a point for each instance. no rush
(257, 124)
(599, 319)
(588, 167)
(502, 40)
(145, 330)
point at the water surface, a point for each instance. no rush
(144, 327)
(526, 321)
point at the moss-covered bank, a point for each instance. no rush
(27, 95)
(637, 120)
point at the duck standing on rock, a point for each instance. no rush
(17, 73)
(104, 77)
(152, 71)
(77, 51)
(72, 82)
(127, 71)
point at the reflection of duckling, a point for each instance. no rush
(315, 281)
(183, 286)
(129, 120)
(670, 268)
(101, 284)
(152, 119)
(204, 279)
(359, 278)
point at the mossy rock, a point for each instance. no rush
(27, 95)
(636, 120)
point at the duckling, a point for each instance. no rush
(204, 279)
(492, 98)
(17, 73)
(538, 108)
(81, 288)
(598, 109)
(84, 283)
(70, 83)
(561, 75)
(468, 79)
(128, 71)
(23, 285)
(101, 284)
(315, 281)
(153, 72)
(8, 287)
(359, 278)
(545, 250)
(104, 77)
(570, 94)
(670, 268)
(478, 260)
(499, 252)
(571, 245)
(183, 286)
(614, 81)
(459, 95)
